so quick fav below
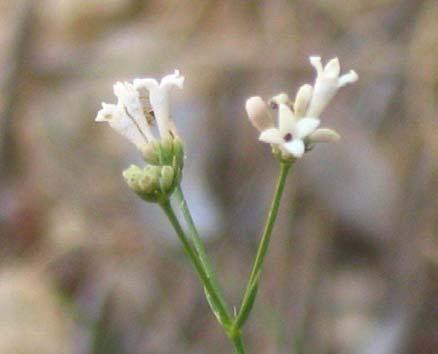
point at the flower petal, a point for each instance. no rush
(281, 98)
(130, 103)
(348, 78)
(332, 69)
(295, 147)
(324, 135)
(323, 91)
(122, 123)
(271, 136)
(159, 98)
(305, 126)
(316, 63)
(286, 119)
(149, 84)
(106, 112)
(302, 100)
(174, 79)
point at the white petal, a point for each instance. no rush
(286, 119)
(348, 78)
(174, 79)
(122, 123)
(271, 136)
(149, 84)
(129, 100)
(332, 69)
(295, 147)
(258, 113)
(281, 98)
(302, 100)
(305, 126)
(126, 128)
(316, 63)
(159, 98)
(106, 112)
(323, 91)
(324, 135)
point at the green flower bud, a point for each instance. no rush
(167, 179)
(133, 176)
(178, 152)
(149, 152)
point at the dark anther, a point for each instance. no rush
(150, 116)
(288, 137)
(273, 104)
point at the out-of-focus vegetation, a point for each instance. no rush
(87, 268)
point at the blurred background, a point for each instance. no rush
(88, 268)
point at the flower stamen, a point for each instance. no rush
(288, 137)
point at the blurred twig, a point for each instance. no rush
(17, 63)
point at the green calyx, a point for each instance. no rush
(157, 181)
(164, 152)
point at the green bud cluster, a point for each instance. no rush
(157, 181)
(151, 183)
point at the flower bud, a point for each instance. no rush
(152, 183)
(140, 181)
(167, 178)
(258, 113)
(149, 152)
(324, 135)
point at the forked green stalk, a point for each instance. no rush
(199, 258)
(252, 285)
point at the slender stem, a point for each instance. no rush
(191, 253)
(199, 244)
(238, 345)
(263, 247)
(236, 337)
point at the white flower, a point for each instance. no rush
(297, 129)
(159, 98)
(132, 115)
(291, 132)
(327, 84)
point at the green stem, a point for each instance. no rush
(199, 244)
(254, 277)
(222, 312)
(238, 345)
(236, 337)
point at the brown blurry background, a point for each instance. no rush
(87, 268)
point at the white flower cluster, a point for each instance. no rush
(139, 104)
(298, 122)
